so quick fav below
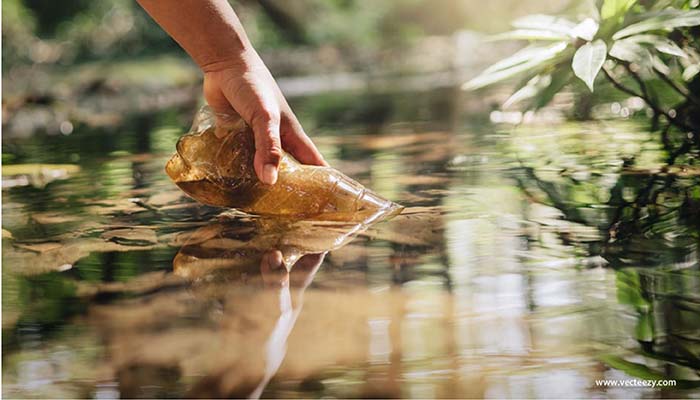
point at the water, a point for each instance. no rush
(529, 262)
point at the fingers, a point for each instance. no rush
(268, 148)
(262, 105)
(295, 141)
(272, 269)
(258, 106)
(219, 104)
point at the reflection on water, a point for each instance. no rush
(231, 242)
(271, 263)
(529, 262)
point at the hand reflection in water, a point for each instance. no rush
(269, 263)
(276, 276)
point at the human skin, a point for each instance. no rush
(236, 79)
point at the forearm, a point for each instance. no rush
(208, 30)
(236, 81)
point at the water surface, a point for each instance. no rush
(530, 261)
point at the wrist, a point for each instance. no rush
(239, 57)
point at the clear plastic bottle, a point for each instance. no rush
(214, 165)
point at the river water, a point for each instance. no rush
(530, 261)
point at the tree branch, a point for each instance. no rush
(642, 85)
(647, 100)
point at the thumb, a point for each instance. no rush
(268, 148)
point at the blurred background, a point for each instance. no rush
(90, 63)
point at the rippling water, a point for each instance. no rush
(529, 262)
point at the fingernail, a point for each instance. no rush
(269, 174)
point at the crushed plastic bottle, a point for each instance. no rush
(214, 165)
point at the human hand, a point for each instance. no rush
(246, 86)
(236, 79)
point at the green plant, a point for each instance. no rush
(650, 44)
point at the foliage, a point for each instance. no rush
(48, 32)
(623, 31)
(51, 32)
(627, 33)
(651, 44)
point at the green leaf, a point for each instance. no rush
(529, 34)
(659, 5)
(548, 27)
(644, 330)
(540, 90)
(528, 91)
(525, 55)
(524, 60)
(659, 65)
(613, 8)
(666, 20)
(690, 71)
(545, 22)
(630, 51)
(669, 47)
(630, 368)
(629, 290)
(588, 61)
(586, 30)
(660, 43)
(560, 78)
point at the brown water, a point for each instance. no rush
(529, 262)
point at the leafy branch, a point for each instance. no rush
(622, 32)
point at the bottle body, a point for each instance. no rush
(214, 165)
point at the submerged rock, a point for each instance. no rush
(214, 165)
